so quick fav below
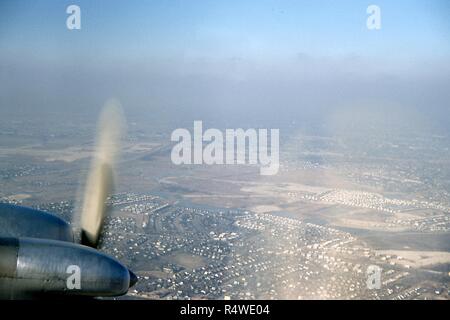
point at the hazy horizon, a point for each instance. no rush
(277, 62)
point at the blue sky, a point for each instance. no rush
(266, 30)
(240, 59)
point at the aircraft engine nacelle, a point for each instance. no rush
(18, 222)
(32, 267)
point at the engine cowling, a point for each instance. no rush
(30, 268)
(18, 222)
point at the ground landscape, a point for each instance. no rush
(336, 207)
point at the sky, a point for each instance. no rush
(224, 57)
(266, 29)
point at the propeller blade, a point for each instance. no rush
(99, 183)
